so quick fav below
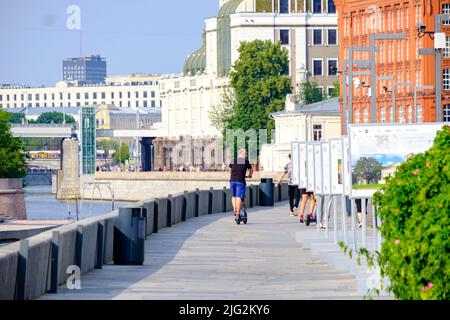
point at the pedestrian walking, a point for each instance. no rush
(293, 190)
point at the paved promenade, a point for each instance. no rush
(211, 257)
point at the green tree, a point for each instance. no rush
(336, 89)
(260, 83)
(123, 154)
(367, 169)
(220, 115)
(309, 92)
(54, 117)
(17, 117)
(12, 157)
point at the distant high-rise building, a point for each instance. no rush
(87, 70)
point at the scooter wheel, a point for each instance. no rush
(307, 220)
(245, 221)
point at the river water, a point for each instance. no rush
(42, 205)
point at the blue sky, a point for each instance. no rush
(152, 36)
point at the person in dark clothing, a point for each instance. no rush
(238, 173)
(293, 190)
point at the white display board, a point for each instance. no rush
(318, 184)
(295, 163)
(310, 167)
(336, 166)
(382, 148)
(346, 162)
(302, 184)
(326, 168)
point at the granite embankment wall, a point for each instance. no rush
(38, 265)
(138, 186)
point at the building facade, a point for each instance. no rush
(134, 91)
(86, 70)
(306, 28)
(314, 122)
(111, 117)
(400, 59)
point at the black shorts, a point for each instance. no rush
(303, 191)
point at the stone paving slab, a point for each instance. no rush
(211, 257)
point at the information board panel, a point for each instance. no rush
(318, 185)
(346, 162)
(295, 163)
(310, 184)
(302, 165)
(377, 150)
(336, 167)
(326, 168)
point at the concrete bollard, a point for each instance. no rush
(9, 257)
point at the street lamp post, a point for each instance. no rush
(373, 38)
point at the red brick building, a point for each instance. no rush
(397, 58)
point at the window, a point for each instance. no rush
(30, 96)
(383, 115)
(410, 114)
(332, 67)
(145, 94)
(1, 97)
(357, 116)
(401, 114)
(78, 96)
(447, 48)
(103, 95)
(317, 132)
(284, 37)
(153, 104)
(60, 96)
(68, 96)
(86, 95)
(330, 91)
(366, 115)
(120, 95)
(36, 96)
(94, 95)
(446, 110)
(317, 6)
(129, 95)
(284, 6)
(137, 94)
(446, 10)
(153, 94)
(317, 37)
(317, 67)
(446, 79)
(331, 6)
(145, 104)
(419, 116)
(332, 37)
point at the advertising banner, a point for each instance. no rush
(346, 162)
(295, 163)
(336, 167)
(318, 185)
(377, 150)
(310, 184)
(326, 168)
(302, 165)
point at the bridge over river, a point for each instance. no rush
(210, 257)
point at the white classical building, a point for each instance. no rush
(131, 91)
(306, 28)
(314, 122)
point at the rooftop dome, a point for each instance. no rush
(196, 62)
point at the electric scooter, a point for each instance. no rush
(242, 217)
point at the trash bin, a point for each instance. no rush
(129, 236)
(266, 193)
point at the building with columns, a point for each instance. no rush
(306, 28)
(400, 59)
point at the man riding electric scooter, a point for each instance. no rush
(238, 170)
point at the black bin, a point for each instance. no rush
(266, 192)
(129, 236)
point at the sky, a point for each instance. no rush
(148, 36)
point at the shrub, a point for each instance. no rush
(414, 208)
